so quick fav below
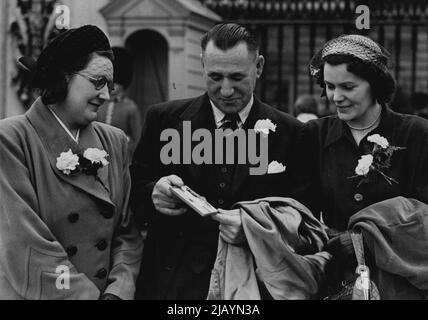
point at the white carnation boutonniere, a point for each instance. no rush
(264, 126)
(379, 140)
(67, 162)
(92, 160)
(377, 162)
(364, 165)
(96, 156)
(89, 162)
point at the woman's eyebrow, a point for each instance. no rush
(341, 83)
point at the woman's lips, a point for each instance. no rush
(95, 104)
(343, 107)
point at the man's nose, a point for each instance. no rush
(104, 93)
(226, 88)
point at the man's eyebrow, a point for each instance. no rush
(238, 74)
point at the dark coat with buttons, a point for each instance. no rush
(331, 156)
(180, 251)
(51, 222)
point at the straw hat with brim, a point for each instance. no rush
(356, 46)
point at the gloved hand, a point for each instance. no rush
(340, 246)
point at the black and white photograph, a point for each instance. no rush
(214, 155)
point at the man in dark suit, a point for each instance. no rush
(181, 245)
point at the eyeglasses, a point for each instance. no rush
(99, 82)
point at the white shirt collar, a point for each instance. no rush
(76, 139)
(243, 114)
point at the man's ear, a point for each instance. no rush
(260, 63)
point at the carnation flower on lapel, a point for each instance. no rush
(264, 126)
(364, 164)
(89, 162)
(67, 162)
(374, 164)
(379, 140)
(96, 156)
(92, 160)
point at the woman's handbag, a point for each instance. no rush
(360, 287)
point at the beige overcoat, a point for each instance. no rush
(63, 236)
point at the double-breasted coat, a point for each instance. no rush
(180, 250)
(64, 236)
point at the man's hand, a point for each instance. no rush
(230, 226)
(164, 200)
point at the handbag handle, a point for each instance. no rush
(362, 283)
(357, 242)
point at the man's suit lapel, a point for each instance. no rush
(201, 116)
(257, 112)
(56, 140)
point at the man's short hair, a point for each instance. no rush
(228, 35)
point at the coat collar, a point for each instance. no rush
(338, 129)
(55, 140)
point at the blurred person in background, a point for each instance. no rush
(306, 108)
(419, 103)
(121, 111)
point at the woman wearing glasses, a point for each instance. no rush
(65, 227)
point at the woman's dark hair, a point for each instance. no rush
(382, 84)
(56, 85)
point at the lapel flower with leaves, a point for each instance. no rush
(89, 162)
(264, 126)
(374, 164)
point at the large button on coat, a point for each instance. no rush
(102, 245)
(73, 217)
